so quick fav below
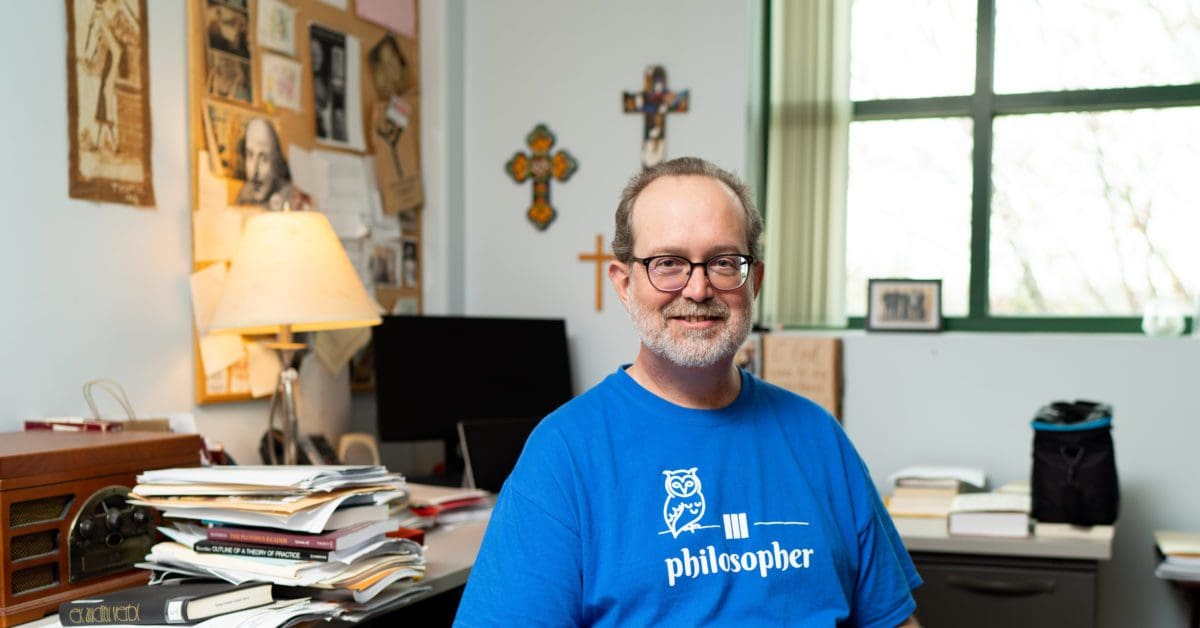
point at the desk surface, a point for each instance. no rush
(928, 534)
(449, 553)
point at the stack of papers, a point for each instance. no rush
(317, 532)
(430, 505)
(1179, 555)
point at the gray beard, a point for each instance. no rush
(697, 348)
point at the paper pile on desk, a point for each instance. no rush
(287, 511)
(428, 506)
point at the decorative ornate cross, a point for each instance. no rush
(654, 102)
(599, 257)
(541, 167)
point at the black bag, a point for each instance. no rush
(1074, 477)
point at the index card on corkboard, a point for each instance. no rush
(808, 365)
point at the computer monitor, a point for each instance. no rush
(433, 371)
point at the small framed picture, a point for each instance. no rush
(904, 305)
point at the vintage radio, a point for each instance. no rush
(65, 529)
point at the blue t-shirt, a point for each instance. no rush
(627, 510)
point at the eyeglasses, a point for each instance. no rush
(670, 273)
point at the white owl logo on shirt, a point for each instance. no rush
(685, 503)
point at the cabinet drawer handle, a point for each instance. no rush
(1001, 587)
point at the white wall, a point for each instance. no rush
(566, 64)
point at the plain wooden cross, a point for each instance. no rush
(540, 166)
(654, 102)
(599, 257)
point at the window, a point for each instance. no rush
(1041, 158)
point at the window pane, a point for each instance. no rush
(911, 48)
(909, 207)
(1053, 46)
(1094, 214)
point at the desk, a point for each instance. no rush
(983, 582)
(449, 554)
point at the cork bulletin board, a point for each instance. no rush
(311, 105)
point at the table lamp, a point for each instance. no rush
(290, 274)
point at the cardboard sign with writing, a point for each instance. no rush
(807, 365)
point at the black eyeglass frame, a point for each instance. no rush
(746, 263)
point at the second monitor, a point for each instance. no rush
(433, 371)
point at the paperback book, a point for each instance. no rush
(338, 539)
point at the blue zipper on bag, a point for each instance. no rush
(1094, 424)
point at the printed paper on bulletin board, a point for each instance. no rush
(807, 365)
(284, 109)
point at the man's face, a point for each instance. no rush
(694, 217)
(261, 178)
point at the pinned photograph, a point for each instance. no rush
(228, 27)
(334, 65)
(904, 305)
(385, 264)
(411, 266)
(229, 76)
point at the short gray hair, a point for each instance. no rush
(622, 244)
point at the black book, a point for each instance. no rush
(205, 546)
(156, 604)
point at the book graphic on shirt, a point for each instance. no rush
(685, 506)
(685, 503)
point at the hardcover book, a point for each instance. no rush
(340, 538)
(157, 604)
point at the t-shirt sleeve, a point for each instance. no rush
(886, 578)
(527, 572)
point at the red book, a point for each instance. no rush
(74, 425)
(416, 535)
(333, 540)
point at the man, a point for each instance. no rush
(268, 180)
(682, 490)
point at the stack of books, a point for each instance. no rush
(928, 491)
(991, 513)
(1178, 555)
(321, 534)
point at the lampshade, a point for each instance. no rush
(290, 269)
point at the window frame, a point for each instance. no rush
(982, 107)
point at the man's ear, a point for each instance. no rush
(759, 268)
(618, 273)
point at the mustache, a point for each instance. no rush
(711, 309)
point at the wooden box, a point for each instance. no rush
(65, 531)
